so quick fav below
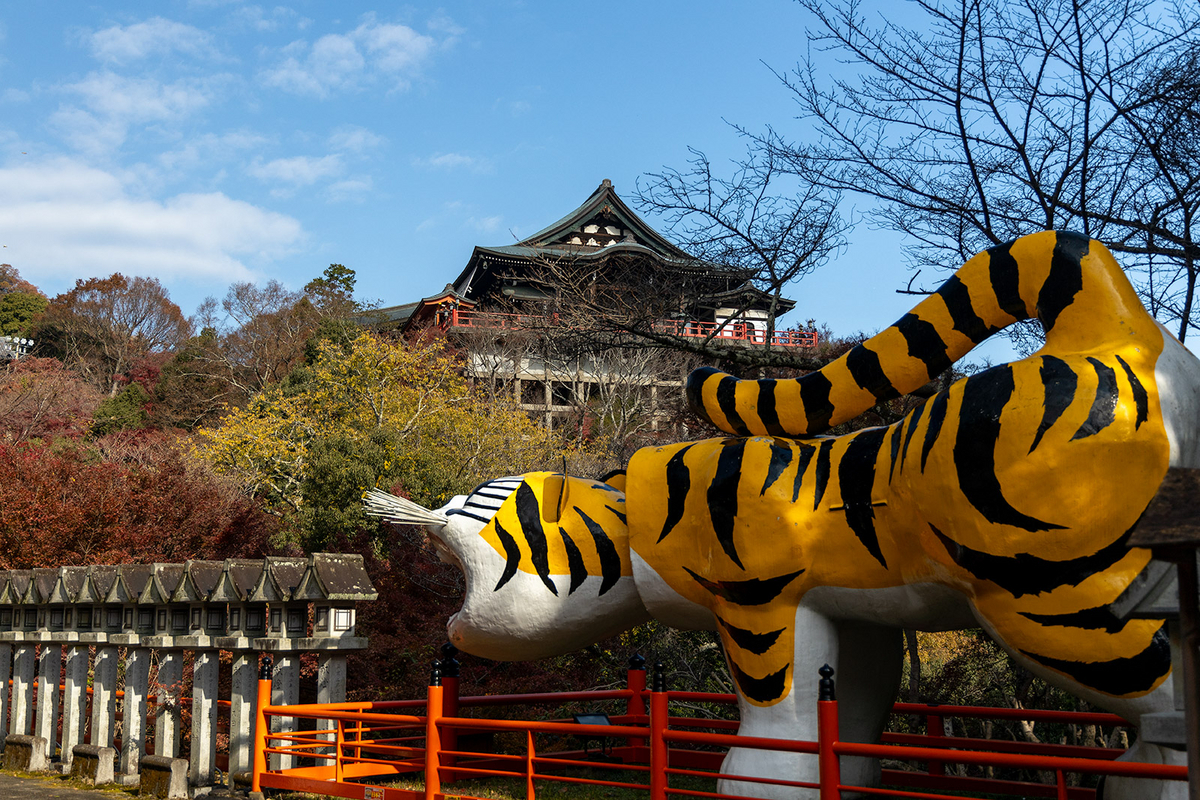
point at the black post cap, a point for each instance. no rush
(825, 685)
(265, 668)
(435, 674)
(637, 662)
(660, 677)
(449, 662)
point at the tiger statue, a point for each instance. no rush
(1004, 502)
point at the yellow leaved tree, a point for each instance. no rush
(371, 413)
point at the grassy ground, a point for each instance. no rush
(547, 787)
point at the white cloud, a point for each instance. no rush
(298, 170)
(65, 219)
(254, 17)
(343, 62)
(350, 190)
(485, 224)
(109, 104)
(157, 36)
(210, 149)
(354, 139)
(454, 161)
(443, 24)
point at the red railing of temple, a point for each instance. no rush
(354, 742)
(727, 332)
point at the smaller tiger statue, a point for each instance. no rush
(1003, 502)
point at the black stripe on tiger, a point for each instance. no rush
(897, 436)
(1026, 573)
(1104, 405)
(1059, 382)
(679, 483)
(456, 511)
(984, 398)
(958, 302)
(1065, 279)
(751, 642)
(781, 456)
(727, 401)
(761, 690)
(814, 396)
(765, 406)
(752, 592)
(529, 515)
(1120, 676)
(694, 388)
(722, 496)
(864, 367)
(1141, 401)
(937, 415)
(512, 556)
(914, 418)
(924, 343)
(821, 477)
(610, 561)
(856, 475)
(806, 454)
(1005, 275)
(1100, 618)
(575, 563)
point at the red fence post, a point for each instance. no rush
(530, 791)
(635, 706)
(827, 736)
(449, 737)
(658, 726)
(935, 728)
(260, 723)
(433, 712)
(339, 741)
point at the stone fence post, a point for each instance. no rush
(105, 621)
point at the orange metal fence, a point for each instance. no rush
(350, 743)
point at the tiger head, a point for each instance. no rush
(545, 559)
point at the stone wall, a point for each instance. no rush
(60, 627)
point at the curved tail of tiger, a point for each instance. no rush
(1069, 282)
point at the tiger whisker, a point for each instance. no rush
(398, 510)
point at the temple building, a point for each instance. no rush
(519, 288)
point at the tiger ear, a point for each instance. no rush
(615, 479)
(554, 497)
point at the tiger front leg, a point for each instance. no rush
(867, 661)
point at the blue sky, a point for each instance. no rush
(212, 141)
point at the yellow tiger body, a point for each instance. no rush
(1004, 501)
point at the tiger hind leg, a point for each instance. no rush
(867, 661)
(1137, 681)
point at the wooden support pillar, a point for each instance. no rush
(133, 710)
(74, 702)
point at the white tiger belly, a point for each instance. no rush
(664, 603)
(1178, 376)
(922, 606)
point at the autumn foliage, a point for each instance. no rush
(122, 500)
